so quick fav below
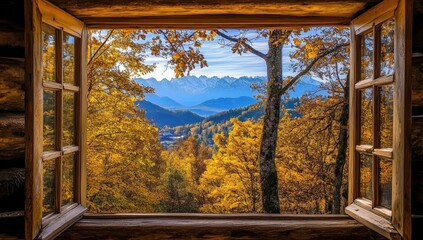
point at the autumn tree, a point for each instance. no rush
(185, 163)
(334, 69)
(123, 158)
(231, 180)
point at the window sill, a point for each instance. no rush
(373, 221)
(217, 226)
(61, 222)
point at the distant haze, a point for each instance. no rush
(192, 90)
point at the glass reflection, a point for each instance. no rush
(68, 171)
(366, 121)
(366, 176)
(367, 56)
(385, 183)
(49, 120)
(387, 48)
(68, 118)
(48, 186)
(49, 53)
(68, 59)
(386, 116)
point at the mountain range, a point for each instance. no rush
(191, 99)
(190, 91)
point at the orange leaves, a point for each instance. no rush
(297, 42)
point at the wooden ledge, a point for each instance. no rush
(373, 221)
(217, 226)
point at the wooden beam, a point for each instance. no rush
(401, 167)
(134, 8)
(208, 21)
(33, 121)
(56, 17)
(377, 14)
(240, 226)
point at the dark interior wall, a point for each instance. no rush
(417, 120)
(12, 116)
(12, 73)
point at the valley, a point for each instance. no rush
(202, 106)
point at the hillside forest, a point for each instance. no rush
(218, 166)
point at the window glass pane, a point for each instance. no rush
(68, 59)
(366, 176)
(48, 186)
(367, 56)
(68, 118)
(385, 182)
(68, 171)
(49, 120)
(49, 53)
(366, 122)
(386, 116)
(387, 48)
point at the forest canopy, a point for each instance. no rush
(217, 167)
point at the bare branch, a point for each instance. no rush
(246, 45)
(101, 46)
(305, 70)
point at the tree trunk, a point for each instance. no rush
(268, 173)
(342, 152)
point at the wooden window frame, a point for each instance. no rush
(37, 11)
(37, 14)
(395, 223)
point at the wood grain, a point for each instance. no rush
(81, 119)
(33, 121)
(56, 17)
(401, 167)
(373, 221)
(220, 227)
(354, 119)
(134, 8)
(12, 85)
(211, 21)
(12, 136)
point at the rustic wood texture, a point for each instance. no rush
(12, 184)
(134, 8)
(373, 221)
(12, 85)
(209, 21)
(12, 136)
(33, 120)
(354, 119)
(220, 227)
(56, 17)
(81, 120)
(401, 166)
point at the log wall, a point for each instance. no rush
(12, 118)
(417, 121)
(12, 74)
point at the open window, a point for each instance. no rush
(58, 111)
(378, 178)
(379, 168)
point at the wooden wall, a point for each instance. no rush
(417, 121)
(12, 116)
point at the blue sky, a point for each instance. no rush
(222, 62)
